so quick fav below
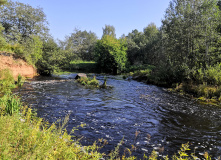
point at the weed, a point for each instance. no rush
(88, 81)
(6, 81)
(10, 104)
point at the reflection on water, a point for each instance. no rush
(162, 121)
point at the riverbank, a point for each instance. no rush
(16, 65)
(204, 93)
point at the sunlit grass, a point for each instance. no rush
(28, 137)
(85, 66)
(88, 81)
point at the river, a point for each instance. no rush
(145, 116)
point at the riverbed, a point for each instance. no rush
(145, 117)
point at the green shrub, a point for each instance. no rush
(10, 104)
(27, 137)
(6, 81)
(88, 81)
(213, 74)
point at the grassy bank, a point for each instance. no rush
(204, 85)
(83, 66)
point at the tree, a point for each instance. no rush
(81, 44)
(3, 2)
(111, 54)
(2, 39)
(109, 30)
(190, 28)
(51, 58)
(136, 42)
(152, 39)
(21, 21)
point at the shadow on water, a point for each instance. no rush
(162, 121)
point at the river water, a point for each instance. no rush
(145, 116)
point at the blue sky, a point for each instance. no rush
(92, 15)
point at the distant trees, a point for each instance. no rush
(143, 45)
(2, 39)
(188, 41)
(109, 30)
(81, 44)
(111, 54)
(190, 34)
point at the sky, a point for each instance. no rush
(92, 15)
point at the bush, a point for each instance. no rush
(6, 81)
(88, 81)
(10, 104)
(111, 55)
(27, 137)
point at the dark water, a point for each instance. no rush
(162, 119)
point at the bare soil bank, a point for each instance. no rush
(16, 66)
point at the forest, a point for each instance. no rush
(185, 47)
(183, 52)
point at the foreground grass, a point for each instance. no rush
(24, 136)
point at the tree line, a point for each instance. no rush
(186, 47)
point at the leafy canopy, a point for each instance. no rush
(111, 54)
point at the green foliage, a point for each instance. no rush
(2, 2)
(20, 80)
(86, 66)
(24, 28)
(213, 74)
(88, 81)
(32, 49)
(81, 45)
(109, 30)
(190, 37)
(21, 21)
(2, 39)
(114, 154)
(111, 54)
(51, 58)
(143, 46)
(9, 104)
(6, 81)
(27, 137)
(136, 42)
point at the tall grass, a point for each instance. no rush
(6, 81)
(9, 104)
(27, 137)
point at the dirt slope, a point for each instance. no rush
(16, 65)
